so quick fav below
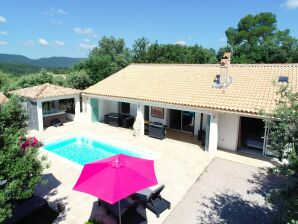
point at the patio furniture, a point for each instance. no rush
(132, 216)
(128, 212)
(153, 200)
(115, 119)
(28, 207)
(106, 118)
(115, 178)
(127, 121)
(146, 125)
(56, 123)
(157, 130)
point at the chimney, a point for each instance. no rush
(224, 67)
(223, 79)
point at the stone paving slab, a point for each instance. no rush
(226, 192)
(177, 165)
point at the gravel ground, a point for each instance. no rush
(227, 192)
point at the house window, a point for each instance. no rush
(125, 108)
(157, 112)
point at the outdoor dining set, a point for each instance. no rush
(152, 129)
(123, 184)
(119, 120)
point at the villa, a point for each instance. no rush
(218, 104)
(221, 104)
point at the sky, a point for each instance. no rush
(71, 28)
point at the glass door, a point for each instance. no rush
(188, 121)
(94, 110)
(175, 119)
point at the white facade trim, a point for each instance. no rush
(173, 106)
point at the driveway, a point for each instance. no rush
(227, 192)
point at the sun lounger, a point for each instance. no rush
(153, 200)
(27, 208)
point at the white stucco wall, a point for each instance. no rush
(228, 131)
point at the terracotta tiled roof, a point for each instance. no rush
(3, 98)
(44, 91)
(252, 88)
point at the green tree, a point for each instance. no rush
(256, 39)
(176, 53)
(283, 142)
(110, 56)
(36, 79)
(283, 128)
(78, 80)
(4, 79)
(140, 50)
(20, 170)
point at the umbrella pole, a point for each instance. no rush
(119, 212)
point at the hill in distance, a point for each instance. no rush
(12, 62)
(52, 62)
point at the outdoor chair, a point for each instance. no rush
(115, 119)
(127, 121)
(128, 211)
(153, 200)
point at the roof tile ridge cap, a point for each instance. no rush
(172, 64)
(44, 86)
(267, 65)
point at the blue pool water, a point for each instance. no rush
(84, 150)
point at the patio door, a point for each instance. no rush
(94, 110)
(188, 121)
(183, 121)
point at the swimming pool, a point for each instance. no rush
(84, 150)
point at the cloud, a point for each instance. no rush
(3, 43)
(181, 42)
(87, 46)
(42, 42)
(3, 32)
(29, 43)
(53, 12)
(58, 43)
(85, 31)
(56, 21)
(86, 40)
(2, 19)
(290, 4)
(222, 39)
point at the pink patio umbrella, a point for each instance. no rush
(116, 177)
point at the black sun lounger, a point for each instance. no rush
(153, 200)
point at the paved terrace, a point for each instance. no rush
(178, 164)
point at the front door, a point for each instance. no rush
(94, 110)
